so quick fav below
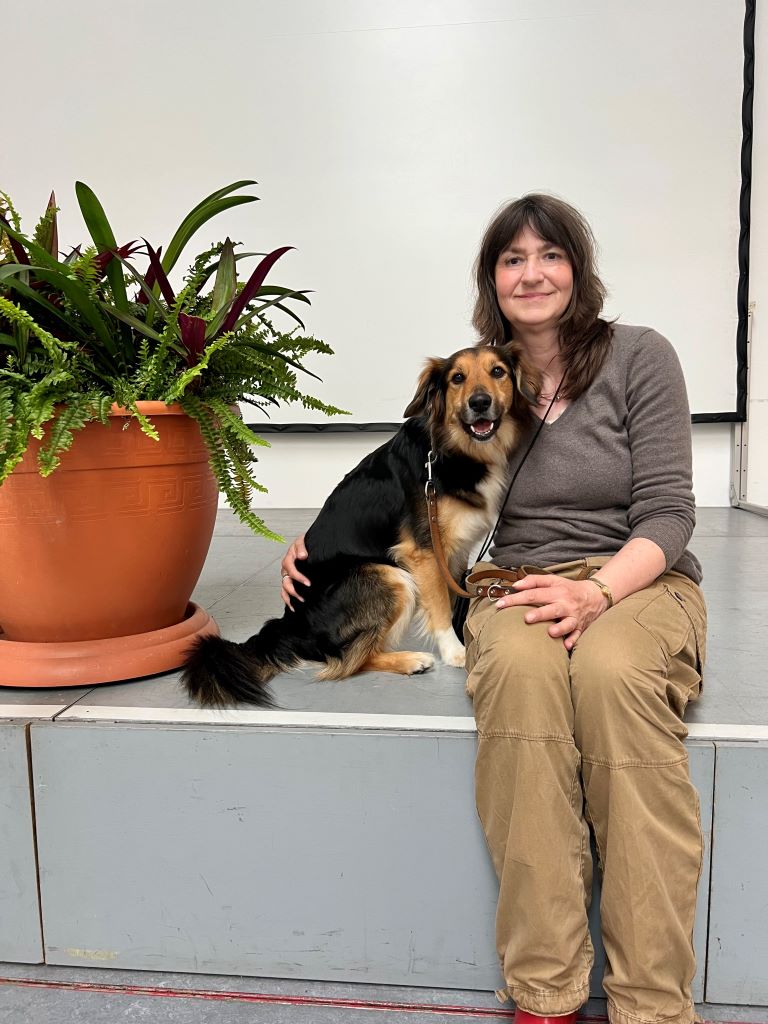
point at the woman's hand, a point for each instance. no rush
(571, 605)
(291, 574)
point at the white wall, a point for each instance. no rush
(201, 101)
(757, 455)
(300, 469)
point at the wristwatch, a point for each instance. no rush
(605, 590)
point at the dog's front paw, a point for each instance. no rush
(456, 658)
(420, 662)
(451, 649)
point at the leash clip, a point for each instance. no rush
(429, 486)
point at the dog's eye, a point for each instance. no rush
(498, 371)
(458, 378)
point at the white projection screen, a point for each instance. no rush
(384, 136)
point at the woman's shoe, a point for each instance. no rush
(523, 1017)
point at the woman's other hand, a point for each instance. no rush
(290, 574)
(571, 605)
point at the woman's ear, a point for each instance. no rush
(427, 389)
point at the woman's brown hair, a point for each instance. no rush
(584, 336)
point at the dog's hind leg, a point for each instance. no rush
(406, 663)
(379, 602)
(435, 602)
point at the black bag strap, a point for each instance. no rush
(492, 531)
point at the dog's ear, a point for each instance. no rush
(428, 390)
(526, 376)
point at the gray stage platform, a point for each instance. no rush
(336, 839)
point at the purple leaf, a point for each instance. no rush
(150, 282)
(103, 260)
(255, 282)
(160, 275)
(192, 330)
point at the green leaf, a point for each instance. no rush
(157, 306)
(79, 297)
(96, 221)
(225, 285)
(132, 321)
(259, 347)
(50, 309)
(194, 221)
(246, 317)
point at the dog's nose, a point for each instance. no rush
(480, 402)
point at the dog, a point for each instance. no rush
(370, 557)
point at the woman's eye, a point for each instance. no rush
(498, 371)
(512, 261)
(553, 256)
(458, 378)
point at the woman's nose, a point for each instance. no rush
(532, 269)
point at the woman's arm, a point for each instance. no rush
(575, 604)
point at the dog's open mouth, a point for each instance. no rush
(482, 430)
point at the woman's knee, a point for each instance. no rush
(518, 676)
(623, 711)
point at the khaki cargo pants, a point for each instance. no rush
(592, 737)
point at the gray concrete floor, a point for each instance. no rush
(240, 587)
(59, 995)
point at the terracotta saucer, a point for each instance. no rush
(103, 661)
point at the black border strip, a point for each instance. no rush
(744, 211)
(390, 428)
(742, 295)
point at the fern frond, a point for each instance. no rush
(234, 423)
(6, 418)
(185, 379)
(55, 347)
(71, 417)
(10, 212)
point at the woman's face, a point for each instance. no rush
(534, 282)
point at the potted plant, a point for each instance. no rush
(118, 426)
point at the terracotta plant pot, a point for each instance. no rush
(111, 544)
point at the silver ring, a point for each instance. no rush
(283, 575)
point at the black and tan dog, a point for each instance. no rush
(371, 562)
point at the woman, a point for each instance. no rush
(580, 675)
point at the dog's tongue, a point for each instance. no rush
(482, 426)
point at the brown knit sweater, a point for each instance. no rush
(615, 465)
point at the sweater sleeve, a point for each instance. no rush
(662, 507)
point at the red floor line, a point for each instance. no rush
(285, 1000)
(267, 998)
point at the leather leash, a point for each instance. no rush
(430, 492)
(507, 575)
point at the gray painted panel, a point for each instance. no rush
(20, 939)
(334, 856)
(738, 938)
(330, 856)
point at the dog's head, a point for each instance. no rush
(477, 400)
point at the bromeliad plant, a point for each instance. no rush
(73, 343)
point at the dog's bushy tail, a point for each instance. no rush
(219, 673)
